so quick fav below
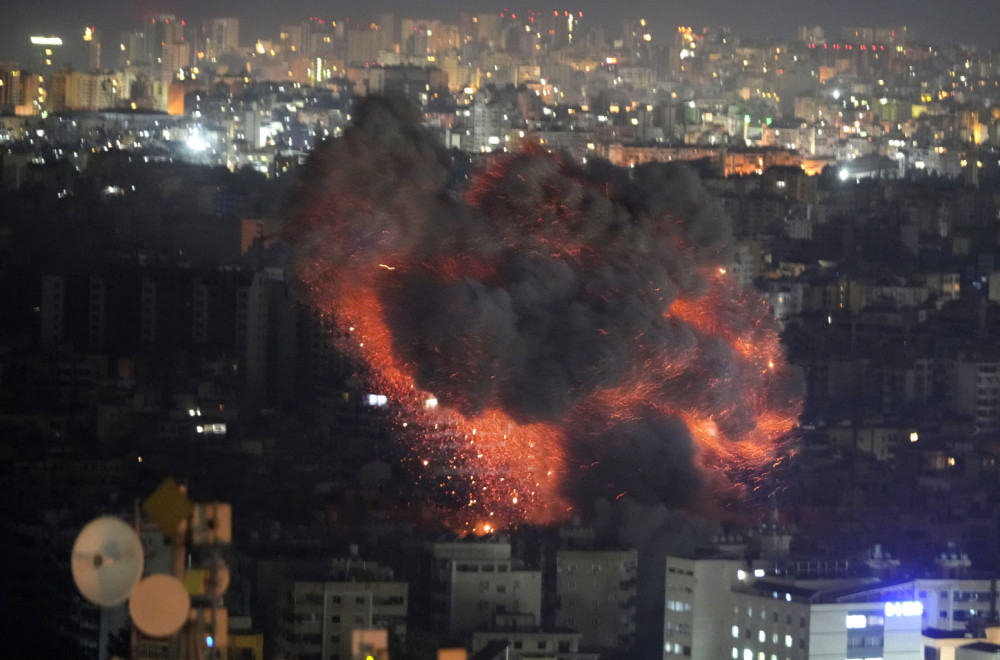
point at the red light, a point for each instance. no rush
(862, 46)
(824, 46)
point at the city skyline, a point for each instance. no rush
(929, 22)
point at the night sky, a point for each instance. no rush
(934, 21)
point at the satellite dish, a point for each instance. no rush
(159, 605)
(106, 561)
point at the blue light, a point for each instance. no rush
(209, 642)
(905, 608)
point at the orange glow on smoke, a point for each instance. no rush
(494, 471)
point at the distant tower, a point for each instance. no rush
(47, 50)
(222, 35)
(92, 42)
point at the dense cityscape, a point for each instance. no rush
(512, 335)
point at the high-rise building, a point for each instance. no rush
(222, 35)
(75, 90)
(475, 581)
(323, 615)
(290, 39)
(10, 86)
(47, 54)
(92, 43)
(165, 47)
(698, 608)
(596, 594)
(362, 46)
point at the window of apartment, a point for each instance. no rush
(501, 588)
(736, 633)
(335, 618)
(488, 568)
(360, 600)
(762, 636)
(788, 641)
(518, 644)
(736, 653)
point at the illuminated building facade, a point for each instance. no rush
(92, 42)
(726, 608)
(697, 606)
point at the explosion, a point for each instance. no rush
(548, 334)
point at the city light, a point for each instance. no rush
(904, 608)
(196, 143)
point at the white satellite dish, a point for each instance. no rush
(159, 605)
(106, 561)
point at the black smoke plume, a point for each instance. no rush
(532, 287)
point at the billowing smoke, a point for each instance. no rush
(586, 300)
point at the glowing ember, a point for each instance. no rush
(549, 337)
